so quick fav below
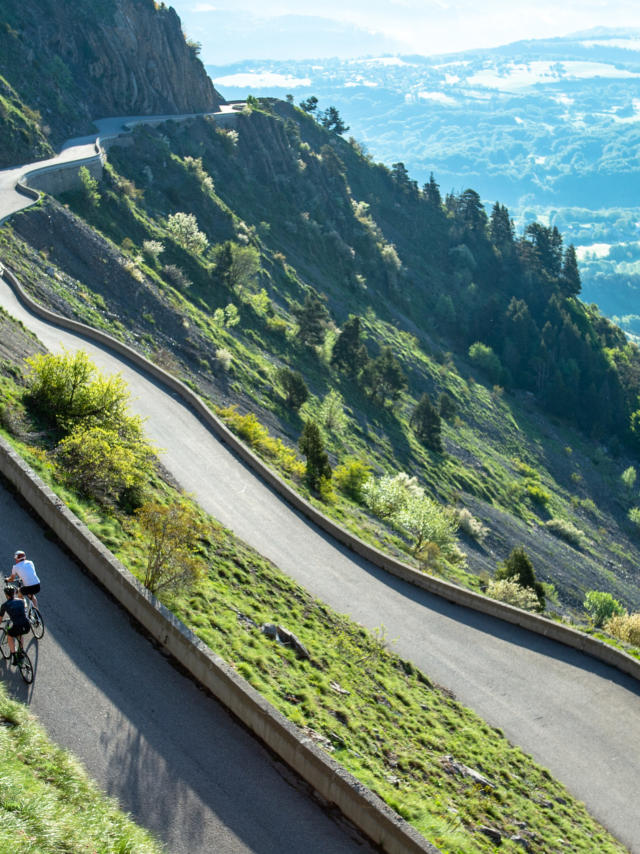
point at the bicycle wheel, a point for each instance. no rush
(4, 644)
(25, 667)
(37, 623)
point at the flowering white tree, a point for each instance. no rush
(389, 495)
(183, 227)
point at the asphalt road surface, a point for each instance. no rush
(576, 716)
(170, 754)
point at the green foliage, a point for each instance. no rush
(628, 477)
(331, 414)
(388, 495)
(183, 228)
(429, 523)
(447, 406)
(567, 531)
(538, 494)
(67, 390)
(312, 318)
(634, 515)
(89, 187)
(484, 357)
(294, 387)
(625, 627)
(350, 477)
(519, 568)
(104, 463)
(383, 378)
(425, 421)
(312, 446)
(512, 593)
(152, 249)
(257, 437)
(601, 607)
(349, 352)
(170, 537)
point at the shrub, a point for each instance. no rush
(89, 187)
(331, 414)
(471, 526)
(625, 627)
(628, 477)
(566, 531)
(152, 249)
(175, 277)
(484, 357)
(634, 515)
(102, 464)
(601, 607)
(257, 436)
(224, 358)
(68, 390)
(294, 387)
(518, 568)
(537, 494)
(512, 593)
(430, 522)
(350, 476)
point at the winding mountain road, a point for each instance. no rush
(578, 717)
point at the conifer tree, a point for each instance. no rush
(349, 353)
(570, 283)
(312, 317)
(426, 423)
(519, 568)
(312, 446)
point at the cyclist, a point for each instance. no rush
(25, 572)
(15, 610)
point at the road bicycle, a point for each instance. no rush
(34, 616)
(22, 660)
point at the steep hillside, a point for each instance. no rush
(292, 222)
(64, 64)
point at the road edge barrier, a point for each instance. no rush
(444, 589)
(334, 783)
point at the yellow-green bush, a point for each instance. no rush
(625, 627)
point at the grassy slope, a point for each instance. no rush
(385, 721)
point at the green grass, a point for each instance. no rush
(48, 804)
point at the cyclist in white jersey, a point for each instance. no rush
(25, 572)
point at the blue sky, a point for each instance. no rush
(297, 29)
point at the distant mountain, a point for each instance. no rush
(550, 128)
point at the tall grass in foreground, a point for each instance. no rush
(48, 804)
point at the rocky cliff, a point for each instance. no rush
(78, 60)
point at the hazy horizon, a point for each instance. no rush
(295, 30)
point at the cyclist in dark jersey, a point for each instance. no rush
(14, 609)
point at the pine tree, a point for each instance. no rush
(349, 353)
(426, 423)
(570, 284)
(518, 567)
(294, 387)
(312, 317)
(383, 378)
(312, 446)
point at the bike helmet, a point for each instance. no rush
(19, 554)
(9, 591)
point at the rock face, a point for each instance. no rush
(79, 60)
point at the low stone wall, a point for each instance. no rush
(63, 177)
(451, 592)
(371, 815)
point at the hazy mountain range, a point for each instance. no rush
(550, 128)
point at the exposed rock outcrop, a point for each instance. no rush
(75, 61)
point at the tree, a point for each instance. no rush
(332, 120)
(170, 536)
(183, 228)
(68, 390)
(310, 104)
(312, 446)
(426, 423)
(570, 284)
(389, 495)
(349, 354)
(429, 522)
(628, 477)
(484, 357)
(294, 387)
(383, 378)
(431, 193)
(518, 567)
(312, 317)
(447, 406)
